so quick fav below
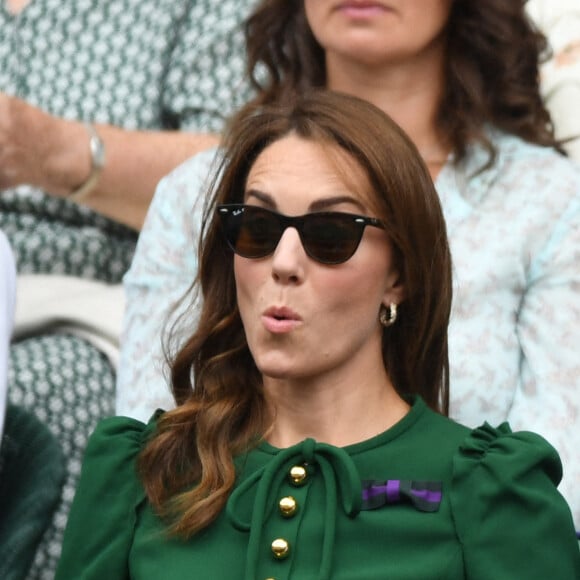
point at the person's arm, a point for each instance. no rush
(204, 85)
(135, 163)
(510, 519)
(54, 155)
(548, 328)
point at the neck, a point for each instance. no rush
(409, 93)
(339, 412)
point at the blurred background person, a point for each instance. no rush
(31, 459)
(98, 100)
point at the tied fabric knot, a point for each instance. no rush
(307, 448)
(342, 487)
(425, 496)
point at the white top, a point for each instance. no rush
(7, 303)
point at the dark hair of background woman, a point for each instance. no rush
(225, 414)
(492, 68)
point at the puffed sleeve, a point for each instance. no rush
(101, 522)
(511, 520)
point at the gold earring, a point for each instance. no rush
(387, 318)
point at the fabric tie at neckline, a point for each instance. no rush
(342, 486)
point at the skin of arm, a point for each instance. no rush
(59, 160)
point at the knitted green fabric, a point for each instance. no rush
(31, 476)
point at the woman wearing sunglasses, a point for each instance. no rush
(314, 445)
(461, 78)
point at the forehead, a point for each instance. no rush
(298, 169)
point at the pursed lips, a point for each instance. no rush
(362, 4)
(362, 7)
(280, 319)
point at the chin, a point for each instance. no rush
(277, 369)
(277, 372)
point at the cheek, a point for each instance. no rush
(249, 276)
(246, 279)
(314, 10)
(248, 272)
(240, 271)
(434, 18)
(310, 9)
(356, 293)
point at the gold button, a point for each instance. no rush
(288, 506)
(280, 548)
(298, 475)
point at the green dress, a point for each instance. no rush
(427, 499)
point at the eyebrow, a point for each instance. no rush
(318, 205)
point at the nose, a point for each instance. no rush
(289, 258)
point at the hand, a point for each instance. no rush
(39, 149)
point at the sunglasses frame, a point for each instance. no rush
(296, 222)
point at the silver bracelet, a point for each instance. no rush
(97, 149)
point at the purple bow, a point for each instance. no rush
(424, 495)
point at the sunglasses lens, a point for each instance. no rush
(251, 232)
(331, 238)
(328, 238)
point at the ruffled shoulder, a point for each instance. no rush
(499, 446)
(510, 518)
(103, 516)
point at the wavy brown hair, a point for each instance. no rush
(187, 467)
(492, 68)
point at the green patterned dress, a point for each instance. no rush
(137, 64)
